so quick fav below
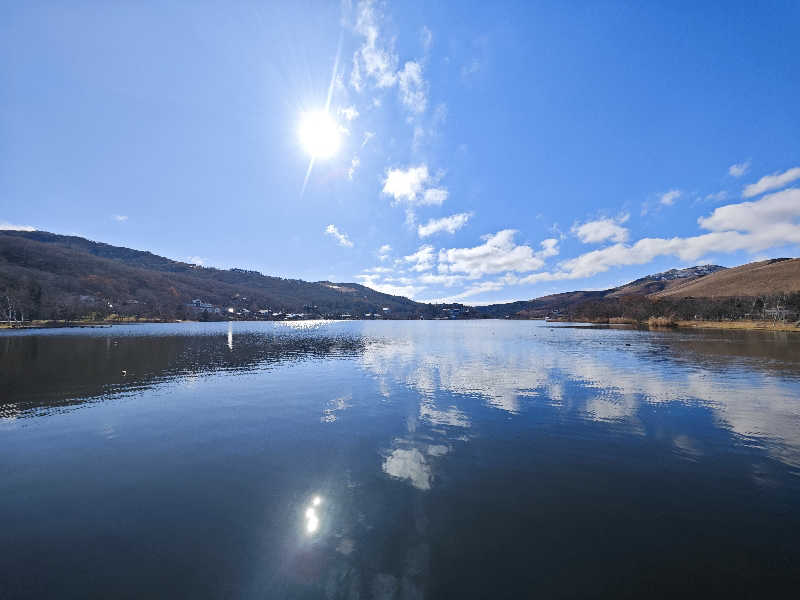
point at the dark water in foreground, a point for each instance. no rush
(477, 459)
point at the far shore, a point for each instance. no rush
(742, 325)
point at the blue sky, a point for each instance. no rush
(487, 152)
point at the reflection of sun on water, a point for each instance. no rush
(306, 324)
(312, 519)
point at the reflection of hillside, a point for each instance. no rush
(43, 372)
(502, 363)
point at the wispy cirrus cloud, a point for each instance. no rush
(668, 198)
(719, 196)
(349, 112)
(739, 169)
(449, 224)
(354, 163)
(771, 182)
(375, 59)
(340, 237)
(384, 252)
(120, 218)
(413, 87)
(426, 38)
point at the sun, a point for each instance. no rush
(319, 134)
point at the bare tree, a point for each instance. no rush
(10, 308)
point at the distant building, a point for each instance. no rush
(201, 306)
(779, 313)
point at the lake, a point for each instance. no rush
(398, 459)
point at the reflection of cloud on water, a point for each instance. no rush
(438, 450)
(607, 407)
(450, 416)
(505, 365)
(334, 406)
(687, 446)
(409, 464)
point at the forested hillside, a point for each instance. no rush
(49, 276)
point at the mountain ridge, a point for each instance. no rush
(60, 276)
(63, 276)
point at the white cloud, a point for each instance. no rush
(422, 259)
(440, 279)
(497, 254)
(6, 226)
(339, 236)
(668, 198)
(405, 185)
(594, 232)
(349, 112)
(774, 209)
(373, 281)
(480, 288)
(771, 182)
(753, 227)
(368, 135)
(434, 196)
(374, 59)
(449, 224)
(120, 218)
(411, 465)
(413, 88)
(549, 248)
(195, 260)
(413, 186)
(383, 252)
(353, 166)
(740, 169)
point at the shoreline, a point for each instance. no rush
(727, 325)
(739, 325)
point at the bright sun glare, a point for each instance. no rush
(319, 134)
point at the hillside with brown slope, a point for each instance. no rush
(768, 277)
(564, 302)
(667, 280)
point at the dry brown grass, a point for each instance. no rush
(753, 279)
(662, 322)
(623, 321)
(763, 325)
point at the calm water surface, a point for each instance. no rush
(475, 459)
